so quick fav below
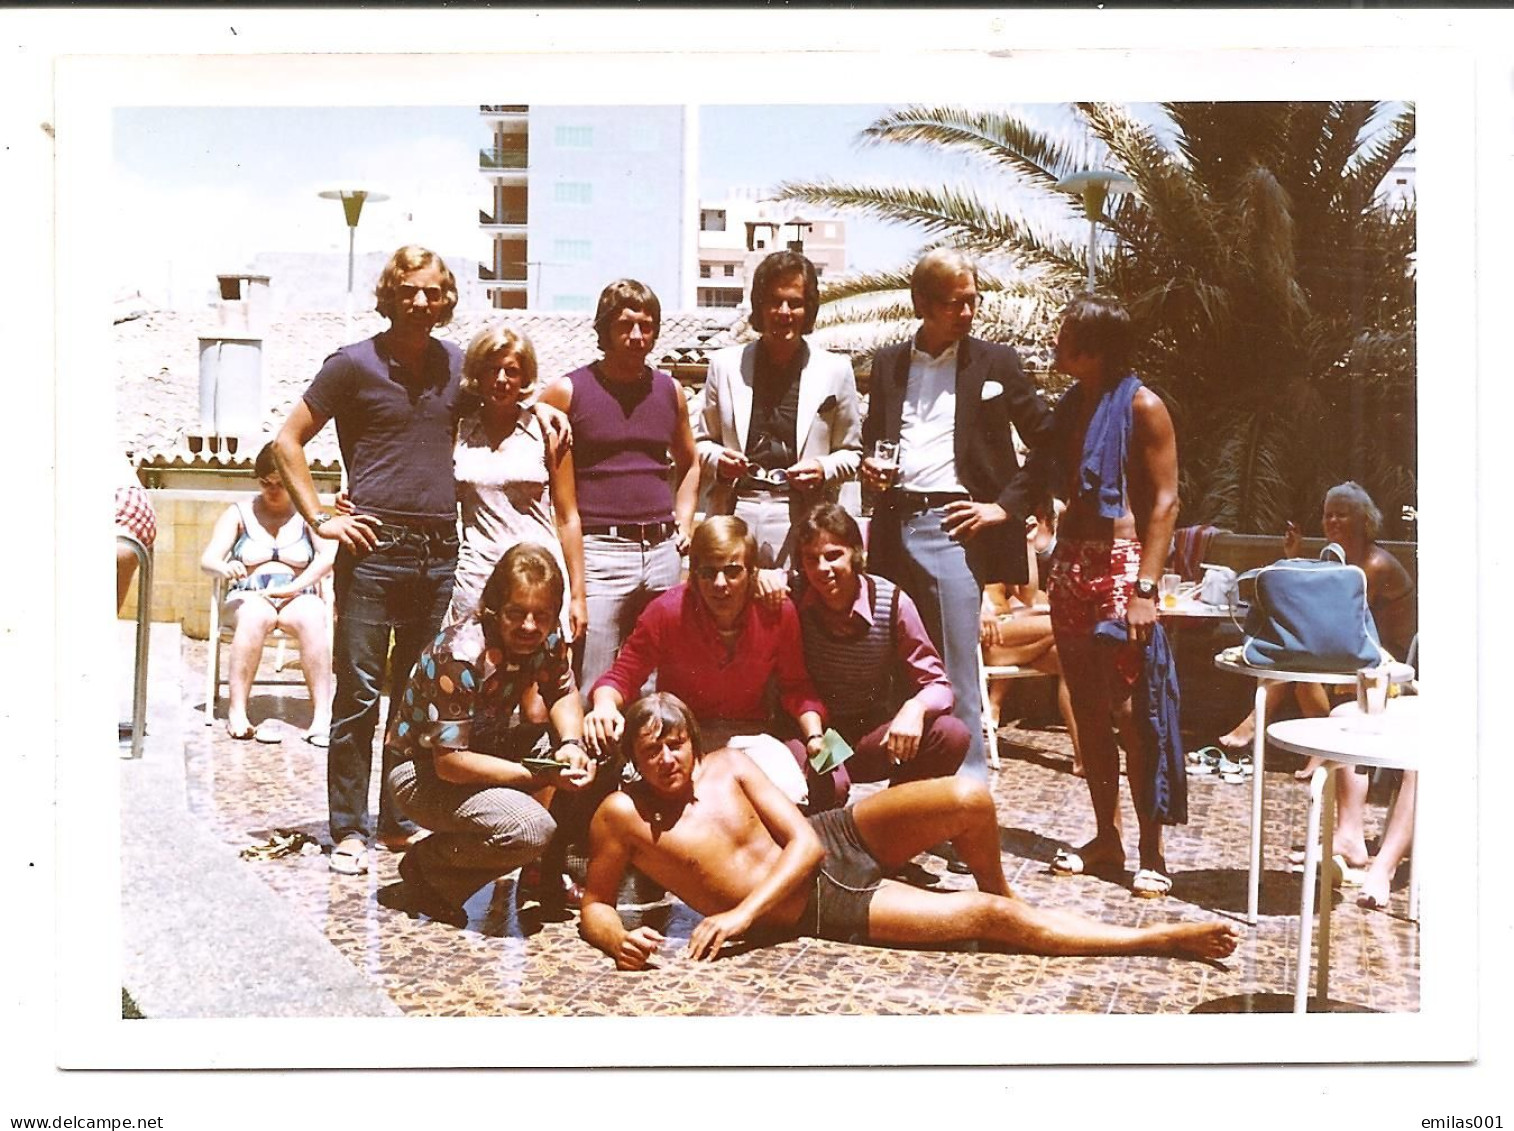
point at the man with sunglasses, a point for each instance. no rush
(396, 399)
(717, 649)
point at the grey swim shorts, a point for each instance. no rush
(837, 908)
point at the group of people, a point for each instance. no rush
(518, 653)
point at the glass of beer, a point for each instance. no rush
(886, 459)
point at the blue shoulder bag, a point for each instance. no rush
(1310, 616)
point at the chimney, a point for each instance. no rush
(231, 369)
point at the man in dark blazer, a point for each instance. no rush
(953, 519)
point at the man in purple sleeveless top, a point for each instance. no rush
(396, 400)
(630, 424)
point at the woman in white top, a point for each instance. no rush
(514, 483)
(273, 564)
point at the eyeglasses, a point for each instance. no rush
(407, 293)
(514, 614)
(733, 572)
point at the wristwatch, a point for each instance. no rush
(1145, 588)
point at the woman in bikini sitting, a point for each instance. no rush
(273, 566)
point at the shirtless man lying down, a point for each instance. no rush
(716, 833)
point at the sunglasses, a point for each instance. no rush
(733, 572)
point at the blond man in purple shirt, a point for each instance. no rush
(867, 651)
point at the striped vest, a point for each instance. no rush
(856, 677)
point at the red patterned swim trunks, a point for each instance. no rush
(135, 515)
(1091, 581)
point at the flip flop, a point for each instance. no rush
(269, 733)
(1068, 862)
(1349, 875)
(1236, 768)
(321, 738)
(1150, 884)
(1205, 761)
(350, 858)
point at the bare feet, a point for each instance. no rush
(1197, 940)
(1099, 856)
(1309, 767)
(1077, 768)
(1236, 741)
(1375, 890)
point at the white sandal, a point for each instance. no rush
(1150, 884)
(350, 858)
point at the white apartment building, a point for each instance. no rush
(580, 196)
(735, 235)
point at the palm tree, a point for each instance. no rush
(1272, 288)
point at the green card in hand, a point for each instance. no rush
(833, 751)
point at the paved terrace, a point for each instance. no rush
(310, 943)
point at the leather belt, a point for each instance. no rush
(747, 488)
(651, 533)
(418, 534)
(912, 502)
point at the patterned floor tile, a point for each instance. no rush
(507, 962)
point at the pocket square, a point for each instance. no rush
(992, 389)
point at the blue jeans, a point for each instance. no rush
(945, 579)
(621, 578)
(403, 586)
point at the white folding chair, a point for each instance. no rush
(220, 634)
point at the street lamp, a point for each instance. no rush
(1094, 186)
(352, 206)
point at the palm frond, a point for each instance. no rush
(997, 138)
(960, 217)
(839, 288)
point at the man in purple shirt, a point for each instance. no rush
(717, 649)
(884, 687)
(396, 399)
(630, 426)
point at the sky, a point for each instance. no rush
(201, 191)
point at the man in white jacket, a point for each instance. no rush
(781, 428)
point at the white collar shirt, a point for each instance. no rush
(927, 422)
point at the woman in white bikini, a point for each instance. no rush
(273, 567)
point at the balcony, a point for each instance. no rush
(502, 160)
(508, 218)
(511, 273)
(502, 111)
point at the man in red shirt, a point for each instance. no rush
(717, 649)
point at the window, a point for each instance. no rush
(573, 192)
(704, 270)
(712, 219)
(730, 270)
(645, 137)
(574, 250)
(720, 296)
(573, 137)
